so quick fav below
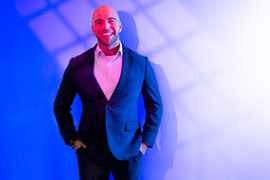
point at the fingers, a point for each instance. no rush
(143, 148)
(77, 144)
(82, 144)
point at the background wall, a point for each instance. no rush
(211, 60)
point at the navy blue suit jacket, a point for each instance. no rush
(110, 126)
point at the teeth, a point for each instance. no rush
(107, 34)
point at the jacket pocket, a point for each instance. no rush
(131, 125)
(84, 125)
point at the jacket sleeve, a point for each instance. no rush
(62, 106)
(153, 106)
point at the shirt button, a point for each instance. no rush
(109, 106)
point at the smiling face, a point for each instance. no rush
(106, 26)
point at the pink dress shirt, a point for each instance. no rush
(107, 70)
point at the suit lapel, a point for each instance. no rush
(126, 66)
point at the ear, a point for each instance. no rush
(121, 26)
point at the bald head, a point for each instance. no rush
(106, 26)
(104, 10)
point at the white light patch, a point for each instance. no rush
(64, 57)
(149, 36)
(173, 18)
(176, 70)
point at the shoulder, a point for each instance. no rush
(136, 57)
(84, 57)
(131, 52)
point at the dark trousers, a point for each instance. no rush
(92, 169)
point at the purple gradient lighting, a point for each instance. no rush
(27, 7)
(71, 10)
(51, 31)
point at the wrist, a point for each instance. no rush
(71, 142)
(145, 144)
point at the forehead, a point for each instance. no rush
(105, 13)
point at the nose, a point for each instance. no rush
(106, 25)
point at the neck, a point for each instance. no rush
(109, 51)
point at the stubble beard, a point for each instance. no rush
(112, 42)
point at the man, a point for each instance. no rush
(109, 79)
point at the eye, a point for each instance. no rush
(111, 20)
(98, 22)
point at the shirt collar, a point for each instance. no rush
(98, 51)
